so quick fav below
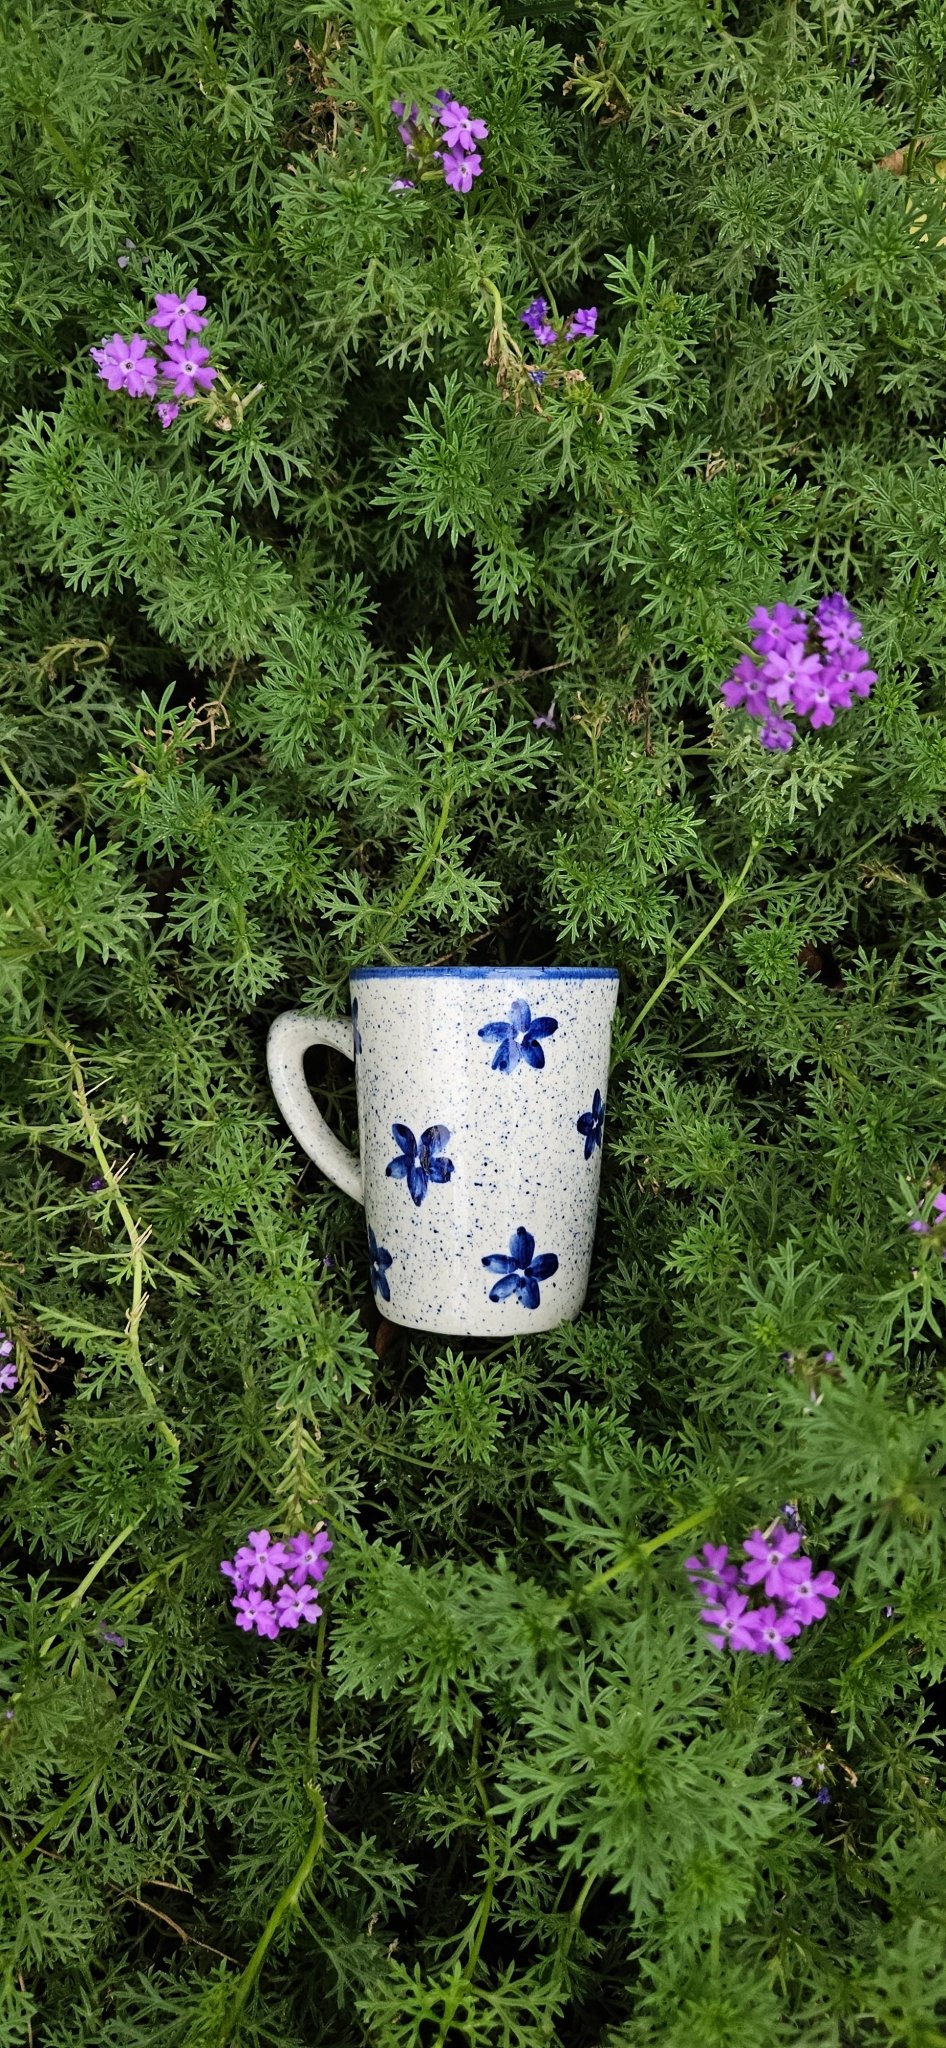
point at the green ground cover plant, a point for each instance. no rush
(401, 635)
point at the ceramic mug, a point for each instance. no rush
(481, 1099)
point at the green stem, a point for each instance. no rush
(316, 1693)
(210, 52)
(731, 896)
(74, 1599)
(877, 1644)
(571, 1928)
(287, 1903)
(625, 1564)
(47, 124)
(485, 1905)
(724, 985)
(23, 794)
(133, 1593)
(492, 291)
(419, 877)
(88, 1784)
(136, 1238)
(55, 135)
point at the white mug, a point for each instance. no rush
(481, 1100)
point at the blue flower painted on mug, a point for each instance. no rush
(521, 1271)
(519, 1038)
(379, 1261)
(591, 1123)
(356, 1034)
(417, 1160)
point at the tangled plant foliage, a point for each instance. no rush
(615, 1719)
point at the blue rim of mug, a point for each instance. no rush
(487, 973)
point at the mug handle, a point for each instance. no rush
(289, 1038)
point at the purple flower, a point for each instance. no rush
(743, 688)
(823, 1798)
(407, 122)
(535, 314)
(807, 1591)
(537, 377)
(792, 679)
(259, 1562)
(108, 1636)
(254, 1612)
(126, 365)
(167, 411)
(773, 1632)
(767, 1558)
(797, 1781)
(178, 317)
(290, 1568)
(296, 1603)
(837, 625)
(546, 334)
(186, 366)
(919, 1225)
(459, 171)
(777, 734)
(710, 1570)
(95, 1184)
(402, 185)
(791, 1517)
(731, 1621)
(545, 718)
(778, 631)
(9, 1380)
(308, 1556)
(582, 324)
(461, 131)
(811, 667)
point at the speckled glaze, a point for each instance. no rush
(481, 1104)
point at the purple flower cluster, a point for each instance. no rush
(8, 1376)
(580, 327)
(274, 1583)
(809, 667)
(460, 132)
(924, 1229)
(795, 1595)
(185, 364)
